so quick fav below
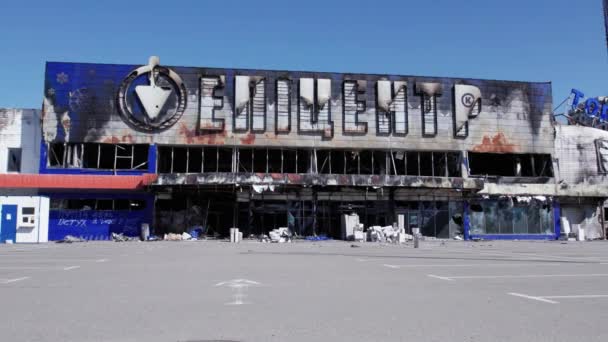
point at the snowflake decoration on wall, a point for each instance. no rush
(62, 78)
(50, 92)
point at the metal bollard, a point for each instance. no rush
(144, 232)
(416, 236)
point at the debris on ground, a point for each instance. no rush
(172, 237)
(391, 234)
(458, 237)
(355, 246)
(280, 235)
(317, 238)
(350, 224)
(70, 239)
(120, 237)
(197, 232)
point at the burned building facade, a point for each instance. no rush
(260, 149)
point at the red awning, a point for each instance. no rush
(67, 182)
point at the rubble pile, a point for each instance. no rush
(280, 235)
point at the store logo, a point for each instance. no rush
(152, 98)
(468, 100)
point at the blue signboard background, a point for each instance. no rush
(94, 224)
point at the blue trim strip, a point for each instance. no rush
(152, 150)
(557, 213)
(514, 237)
(466, 221)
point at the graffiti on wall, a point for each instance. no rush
(93, 224)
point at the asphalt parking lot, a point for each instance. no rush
(305, 291)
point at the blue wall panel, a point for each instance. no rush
(94, 224)
(99, 224)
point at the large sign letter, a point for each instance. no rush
(211, 101)
(353, 103)
(249, 104)
(314, 107)
(391, 108)
(283, 106)
(428, 106)
(467, 104)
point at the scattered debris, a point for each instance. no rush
(197, 232)
(318, 238)
(70, 239)
(172, 237)
(458, 237)
(355, 246)
(280, 235)
(120, 237)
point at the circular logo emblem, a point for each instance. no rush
(468, 100)
(152, 98)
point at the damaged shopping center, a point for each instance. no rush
(260, 150)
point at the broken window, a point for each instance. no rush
(14, 160)
(98, 156)
(366, 162)
(290, 164)
(245, 159)
(440, 167)
(413, 163)
(454, 160)
(195, 159)
(210, 159)
(509, 216)
(55, 154)
(337, 162)
(323, 161)
(275, 161)
(303, 161)
(510, 165)
(426, 163)
(224, 159)
(379, 163)
(180, 160)
(259, 160)
(351, 162)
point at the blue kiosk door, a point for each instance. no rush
(8, 226)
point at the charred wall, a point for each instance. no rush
(269, 108)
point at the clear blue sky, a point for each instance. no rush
(537, 40)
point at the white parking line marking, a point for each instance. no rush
(575, 296)
(70, 268)
(525, 276)
(470, 265)
(8, 281)
(439, 277)
(540, 299)
(101, 260)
